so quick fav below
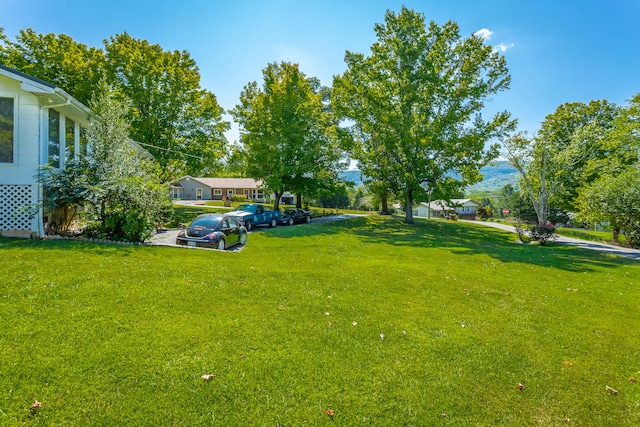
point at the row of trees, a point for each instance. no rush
(584, 159)
(410, 113)
(168, 112)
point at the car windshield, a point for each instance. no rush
(289, 211)
(208, 223)
(245, 208)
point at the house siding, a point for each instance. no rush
(20, 192)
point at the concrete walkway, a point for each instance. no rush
(596, 246)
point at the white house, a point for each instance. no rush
(464, 208)
(39, 124)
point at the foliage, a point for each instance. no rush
(614, 199)
(119, 188)
(340, 199)
(180, 123)
(128, 344)
(57, 59)
(169, 109)
(415, 105)
(574, 138)
(288, 132)
(543, 233)
(485, 212)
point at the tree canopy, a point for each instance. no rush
(288, 132)
(414, 105)
(179, 122)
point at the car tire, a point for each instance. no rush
(290, 222)
(243, 239)
(274, 223)
(308, 219)
(221, 245)
(248, 225)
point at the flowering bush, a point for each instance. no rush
(543, 233)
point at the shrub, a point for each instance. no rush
(543, 233)
(239, 198)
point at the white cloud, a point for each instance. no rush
(483, 33)
(502, 47)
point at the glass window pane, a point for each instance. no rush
(54, 139)
(83, 141)
(6, 130)
(70, 139)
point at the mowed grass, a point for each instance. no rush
(380, 322)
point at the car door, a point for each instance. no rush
(260, 215)
(230, 229)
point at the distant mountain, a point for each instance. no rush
(496, 176)
(354, 176)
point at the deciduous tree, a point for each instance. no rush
(414, 104)
(288, 132)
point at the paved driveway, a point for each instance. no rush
(168, 237)
(602, 247)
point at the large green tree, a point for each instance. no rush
(57, 59)
(289, 132)
(414, 105)
(178, 122)
(573, 139)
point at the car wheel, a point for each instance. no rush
(221, 245)
(243, 239)
(274, 222)
(308, 219)
(248, 225)
(290, 222)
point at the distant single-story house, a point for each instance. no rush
(464, 208)
(39, 124)
(191, 188)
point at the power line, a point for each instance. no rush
(169, 149)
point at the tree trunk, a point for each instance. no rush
(616, 234)
(298, 201)
(409, 208)
(276, 203)
(384, 209)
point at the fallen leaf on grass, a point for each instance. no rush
(36, 405)
(611, 390)
(520, 386)
(567, 363)
(633, 380)
(329, 412)
(207, 377)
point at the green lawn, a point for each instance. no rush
(592, 235)
(383, 323)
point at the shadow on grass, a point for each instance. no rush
(459, 239)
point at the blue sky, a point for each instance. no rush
(557, 51)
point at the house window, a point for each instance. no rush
(70, 140)
(176, 192)
(230, 193)
(54, 139)
(217, 192)
(83, 141)
(198, 193)
(7, 132)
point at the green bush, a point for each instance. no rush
(543, 233)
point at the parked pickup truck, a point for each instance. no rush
(254, 214)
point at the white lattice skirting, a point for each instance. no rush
(16, 211)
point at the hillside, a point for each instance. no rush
(496, 176)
